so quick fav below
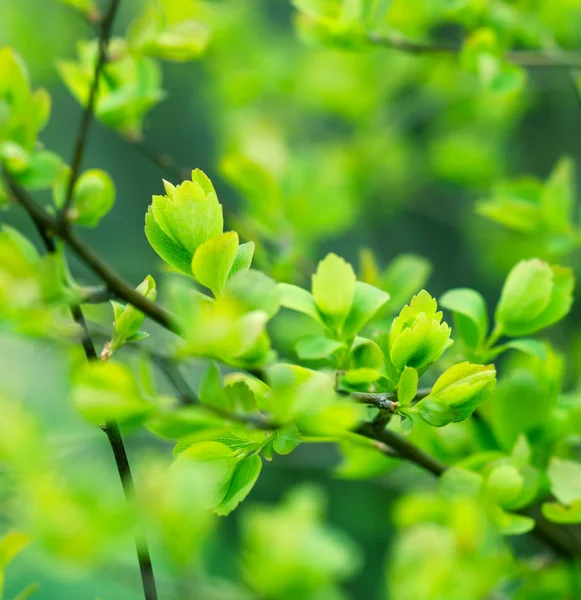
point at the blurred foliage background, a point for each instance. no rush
(347, 148)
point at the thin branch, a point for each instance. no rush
(173, 374)
(114, 282)
(386, 401)
(530, 59)
(83, 134)
(111, 429)
(404, 448)
(163, 161)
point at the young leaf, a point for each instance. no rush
(470, 314)
(504, 485)
(405, 276)
(367, 300)
(565, 479)
(243, 479)
(287, 439)
(295, 298)
(243, 259)
(563, 515)
(407, 387)
(461, 388)
(211, 391)
(316, 347)
(213, 261)
(334, 288)
(535, 295)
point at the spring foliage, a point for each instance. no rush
(289, 353)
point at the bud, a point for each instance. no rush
(535, 295)
(93, 196)
(179, 222)
(333, 288)
(418, 337)
(457, 393)
(129, 319)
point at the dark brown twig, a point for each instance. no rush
(88, 112)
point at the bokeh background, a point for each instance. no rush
(368, 148)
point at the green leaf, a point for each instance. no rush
(406, 423)
(93, 197)
(367, 300)
(558, 196)
(128, 319)
(462, 387)
(287, 439)
(211, 390)
(407, 388)
(458, 482)
(470, 314)
(220, 459)
(173, 254)
(526, 345)
(213, 261)
(11, 545)
(42, 170)
(418, 337)
(295, 298)
(565, 479)
(314, 347)
(253, 290)
(243, 479)
(243, 259)
(563, 515)
(512, 524)
(515, 205)
(334, 288)
(108, 391)
(25, 246)
(504, 485)
(405, 276)
(535, 295)
(241, 397)
(436, 413)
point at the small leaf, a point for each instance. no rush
(535, 295)
(563, 515)
(243, 479)
(512, 524)
(504, 485)
(436, 413)
(470, 314)
(367, 300)
(316, 347)
(405, 276)
(213, 261)
(406, 423)
(211, 390)
(334, 288)
(565, 478)
(287, 439)
(528, 346)
(407, 387)
(243, 259)
(295, 298)
(458, 482)
(173, 254)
